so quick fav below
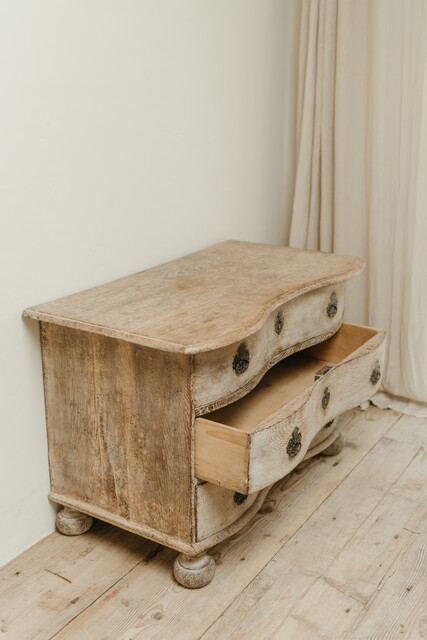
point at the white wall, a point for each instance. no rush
(131, 133)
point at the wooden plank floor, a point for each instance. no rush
(338, 551)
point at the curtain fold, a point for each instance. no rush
(361, 182)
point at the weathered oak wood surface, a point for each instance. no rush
(119, 430)
(337, 552)
(129, 364)
(203, 301)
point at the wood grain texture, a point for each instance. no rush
(216, 509)
(345, 536)
(50, 584)
(412, 430)
(204, 301)
(291, 595)
(128, 364)
(178, 543)
(361, 567)
(111, 585)
(399, 608)
(305, 323)
(147, 605)
(221, 455)
(146, 531)
(320, 617)
(282, 384)
(96, 405)
(340, 346)
(324, 433)
(287, 399)
(119, 428)
(328, 437)
(385, 533)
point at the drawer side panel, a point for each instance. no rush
(221, 454)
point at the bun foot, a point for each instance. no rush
(335, 448)
(194, 573)
(72, 523)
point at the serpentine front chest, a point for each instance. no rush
(177, 396)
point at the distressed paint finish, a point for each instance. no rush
(119, 427)
(305, 323)
(257, 449)
(216, 509)
(129, 365)
(111, 582)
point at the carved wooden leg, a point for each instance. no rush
(72, 523)
(335, 448)
(194, 573)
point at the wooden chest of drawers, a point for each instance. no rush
(177, 396)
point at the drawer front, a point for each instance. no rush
(218, 508)
(324, 433)
(247, 461)
(223, 375)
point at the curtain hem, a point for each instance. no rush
(384, 400)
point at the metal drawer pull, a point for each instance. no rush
(376, 373)
(278, 325)
(332, 307)
(295, 443)
(323, 371)
(325, 398)
(241, 359)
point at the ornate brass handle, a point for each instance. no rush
(376, 373)
(295, 443)
(332, 307)
(278, 325)
(241, 359)
(325, 398)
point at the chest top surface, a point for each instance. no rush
(203, 301)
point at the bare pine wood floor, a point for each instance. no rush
(338, 551)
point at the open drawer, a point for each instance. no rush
(250, 444)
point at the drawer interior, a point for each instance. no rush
(290, 377)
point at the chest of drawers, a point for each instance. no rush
(177, 396)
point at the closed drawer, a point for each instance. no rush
(223, 375)
(218, 508)
(252, 443)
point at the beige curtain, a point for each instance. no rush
(361, 185)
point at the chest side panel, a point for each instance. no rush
(119, 427)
